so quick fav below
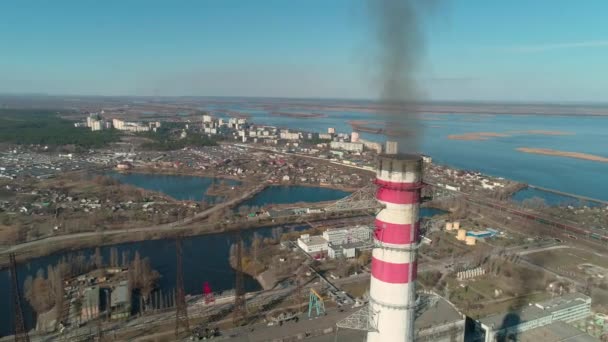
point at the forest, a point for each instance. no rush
(45, 127)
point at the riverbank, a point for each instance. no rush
(66, 243)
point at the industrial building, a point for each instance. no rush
(347, 250)
(339, 236)
(120, 301)
(556, 332)
(337, 242)
(312, 244)
(567, 308)
(90, 303)
(435, 320)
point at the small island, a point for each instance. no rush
(299, 115)
(576, 155)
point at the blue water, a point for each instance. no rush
(205, 258)
(179, 187)
(495, 156)
(428, 212)
(293, 194)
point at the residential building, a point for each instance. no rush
(207, 118)
(331, 130)
(96, 125)
(346, 146)
(118, 124)
(371, 145)
(391, 147)
(289, 135)
(354, 136)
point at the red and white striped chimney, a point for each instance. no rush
(394, 267)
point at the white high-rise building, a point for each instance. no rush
(391, 147)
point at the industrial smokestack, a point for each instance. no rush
(394, 264)
(399, 39)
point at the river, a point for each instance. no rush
(495, 156)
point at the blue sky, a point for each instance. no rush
(518, 50)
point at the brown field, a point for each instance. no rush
(557, 153)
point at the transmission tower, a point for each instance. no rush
(20, 332)
(240, 309)
(181, 314)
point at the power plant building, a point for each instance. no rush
(339, 236)
(567, 308)
(312, 244)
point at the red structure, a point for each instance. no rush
(208, 293)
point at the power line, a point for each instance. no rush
(19, 326)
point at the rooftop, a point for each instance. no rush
(314, 240)
(532, 312)
(554, 332)
(441, 312)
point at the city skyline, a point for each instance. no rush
(513, 52)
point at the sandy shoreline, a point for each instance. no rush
(550, 152)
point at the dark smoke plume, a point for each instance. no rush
(399, 46)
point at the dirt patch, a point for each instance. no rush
(567, 154)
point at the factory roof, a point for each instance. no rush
(554, 332)
(507, 319)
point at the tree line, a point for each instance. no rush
(45, 292)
